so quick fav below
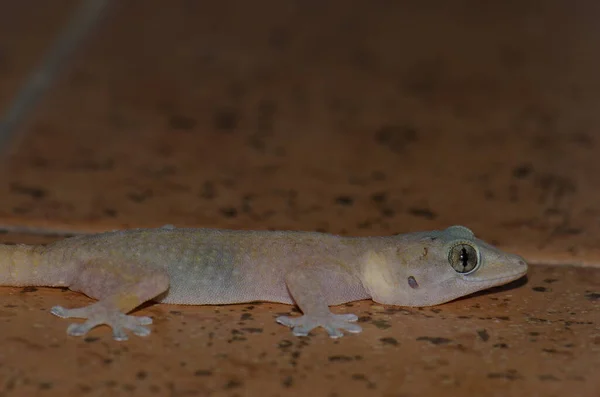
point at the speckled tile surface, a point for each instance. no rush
(377, 119)
(539, 338)
(362, 120)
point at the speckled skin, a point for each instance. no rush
(123, 269)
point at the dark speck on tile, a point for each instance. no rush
(396, 137)
(229, 212)
(181, 122)
(288, 381)
(32, 191)
(522, 171)
(245, 316)
(285, 344)
(540, 289)
(28, 289)
(434, 340)
(226, 119)
(252, 330)
(550, 280)
(593, 296)
(422, 212)
(203, 372)
(344, 200)
(389, 341)
(511, 374)
(340, 358)
(379, 198)
(547, 377)
(381, 324)
(233, 384)
(483, 335)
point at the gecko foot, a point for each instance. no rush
(97, 315)
(333, 324)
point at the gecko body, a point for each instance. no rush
(124, 269)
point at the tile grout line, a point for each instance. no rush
(84, 18)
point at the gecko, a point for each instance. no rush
(188, 266)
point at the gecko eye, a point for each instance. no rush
(463, 258)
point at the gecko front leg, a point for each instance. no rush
(313, 289)
(119, 290)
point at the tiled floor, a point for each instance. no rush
(362, 120)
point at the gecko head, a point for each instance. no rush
(435, 267)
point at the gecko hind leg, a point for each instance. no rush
(116, 298)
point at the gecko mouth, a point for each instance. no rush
(508, 277)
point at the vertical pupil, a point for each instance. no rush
(464, 257)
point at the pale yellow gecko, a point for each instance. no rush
(124, 269)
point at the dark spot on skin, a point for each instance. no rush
(226, 119)
(522, 171)
(434, 340)
(540, 289)
(593, 296)
(501, 345)
(203, 372)
(550, 280)
(396, 137)
(483, 335)
(340, 358)
(181, 122)
(32, 191)
(90, 339)
(229, 212)
(381, 324)
(287, 382)
(28, 289)
(344, 200)
(389, 341)
(511, 374)
(413, 283)
(422, 212)
(253, 330)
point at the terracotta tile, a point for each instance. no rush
(535, 338)
(371, 119)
